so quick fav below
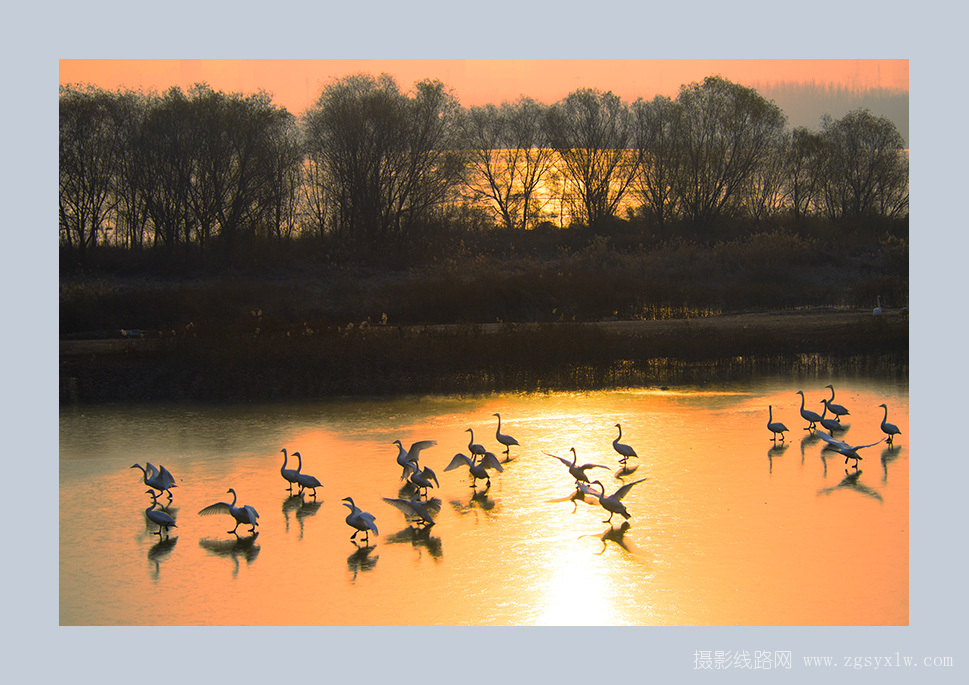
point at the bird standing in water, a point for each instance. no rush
(775, 427)
(359, 519)
(889, 429)
(243, 515)
(162, 519)
(505, 440)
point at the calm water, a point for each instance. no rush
(726, 530)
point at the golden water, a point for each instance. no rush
(727, 530)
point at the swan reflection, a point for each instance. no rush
(420, 538)
(242, 547)
(159, 552)
(361, 561)
(850, 482)
(479, 501)
(889, 454)
(616, 535)
(775, 451)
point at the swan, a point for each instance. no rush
(476, 449)
(577, 472)
(160, 518)
(359, 519)
(808, 415)
(889, 429)
(831, 424)
(245, 514)
(775, 427)
(836, 409)
(288, 474)
(624, 450)
(877, 310)
(845, 449)
(404, 457)
(423, 512)
(479, 470)
(505, 440)
(160, 479)
(422, 478)
(305, 480)
(612, 503)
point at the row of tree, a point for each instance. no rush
(369, 165)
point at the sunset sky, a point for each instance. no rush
(295, 84)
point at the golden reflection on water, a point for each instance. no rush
(727, 529)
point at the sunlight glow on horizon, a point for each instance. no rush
(296, 84)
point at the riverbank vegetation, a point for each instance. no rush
(273, 256)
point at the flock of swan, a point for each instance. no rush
(418, 508)
(832, 425)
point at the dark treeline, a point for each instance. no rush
(372, 172)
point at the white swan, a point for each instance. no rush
(305, 480)
(845, 449)
(836, 409)
(612, 503)
(422, 479)
(479, 470)
(889, 429)
(160, 479)
(625, 451)
(831, 424)
(404, 457)
(877, 310)
(245, 514)
(160, 518)
(289, 475)
(505, 440)
(359, 519)
(577, 472)
(422, 512)
(775, 427)
(476, 449)
(810, 416)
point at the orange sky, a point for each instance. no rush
(295, 84)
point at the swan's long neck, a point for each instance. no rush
(620, 434)
(802, 400)
(233, 497)
(885, 418)
(299, 461)
(770, 414)
(499, 422)
(285, 458)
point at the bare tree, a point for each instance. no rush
(592, 133)
(388, 158)
(864, 166)
(508, 158)
(88, 145)
(658, 131)
(729, 131)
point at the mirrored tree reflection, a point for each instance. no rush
(239, 548)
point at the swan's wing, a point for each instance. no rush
(587, 490)
(624, 490)
(253, 514)
(593, 466)
(871, 445)
(837, 444)
(433, 506)
(404, 506)
(564, 461)
(430, 474)
(368, 521)
(217, 508)
(416, 448)
(459, 460)
(490, 461)
(167, 479)
(151, 469)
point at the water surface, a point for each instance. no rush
(726, 530)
